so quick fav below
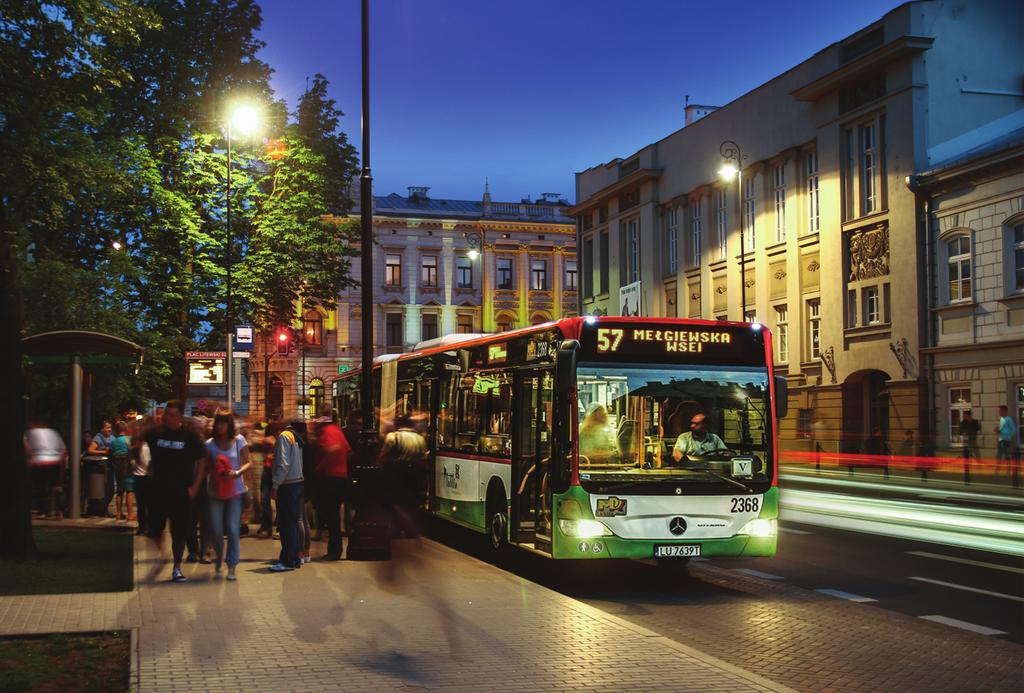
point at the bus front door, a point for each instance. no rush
(531, 454)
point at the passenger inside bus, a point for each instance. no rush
(597, 437)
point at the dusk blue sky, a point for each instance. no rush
(526, 93)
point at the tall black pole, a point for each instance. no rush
(730, 151)
(229, 347)
(366, 239)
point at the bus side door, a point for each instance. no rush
(531, 455)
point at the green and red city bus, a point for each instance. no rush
(568, 438)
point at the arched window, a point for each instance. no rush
(317, 392)
(505, 321)
(539, 318)
(958, 259)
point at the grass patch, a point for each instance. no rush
(71, 561)
(66, 662)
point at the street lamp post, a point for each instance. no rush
(244, 118)
(733, 168)
(476, 242)
(368, 442)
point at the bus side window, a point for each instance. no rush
(447, 412)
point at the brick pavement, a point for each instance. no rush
(813, 642)
(432, 619)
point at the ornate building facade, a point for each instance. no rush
(833, 255)
(441, 266)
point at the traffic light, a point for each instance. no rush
(283, 339)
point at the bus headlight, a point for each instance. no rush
(760, 528)
(583, 529)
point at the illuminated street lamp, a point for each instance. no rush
(732, 168)
(243, 118)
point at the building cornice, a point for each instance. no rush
(604, 194)
(883, 55)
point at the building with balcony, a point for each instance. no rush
(834, 243)
(441, 266)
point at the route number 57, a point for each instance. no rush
(608, 339)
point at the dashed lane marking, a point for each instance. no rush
(847, 596)
(973, 627)
(967, 561)
(966, 588)
(790, 530)
(757, 574)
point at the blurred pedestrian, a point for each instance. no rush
(267, 445)
(1006, 444)
(402, 459)
(120, 461)
(47, 456)
(140, 478)
(99, 447)
(178, 468)
(968, 430)
(310, 497)
(228, 453)
(287, 487)
(332, 469)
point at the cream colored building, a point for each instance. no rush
(429, 283)
(835, 241)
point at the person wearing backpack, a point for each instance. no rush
(228, 453)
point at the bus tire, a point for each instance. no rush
(497, 520)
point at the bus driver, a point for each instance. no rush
(698, 441)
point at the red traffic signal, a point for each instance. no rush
(282, 342)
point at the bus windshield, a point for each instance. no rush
(703, 425)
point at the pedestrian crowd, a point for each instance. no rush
(205, 479)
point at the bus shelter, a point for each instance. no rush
(80, 349)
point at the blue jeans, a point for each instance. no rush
(289, 512)
(225, 515)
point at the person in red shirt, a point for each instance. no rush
(332, 468)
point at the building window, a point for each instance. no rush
(782, 333)
(868, 168)
(588, 267)
(603, 275)
(813, 210)
(958, 253)
(313, 329)
(587, 221)
(872, 310)
(959, 404)
(428, 326)
(317, 393)
(695, 233)
(1018, 257)
(632, 240)
(814, 327)
(463, 272)
(505, 272)
(602, 214)
(539, 275)
(392, 270)
(672, 236)
(720, 215)
(750, 316)
(393, 329)
(428, 270)
(749, 214)
(504, 322)
(779, 191)
(570, 275)
(465, 324)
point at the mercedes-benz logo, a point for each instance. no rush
(677, 525)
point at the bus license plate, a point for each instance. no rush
(677, 551)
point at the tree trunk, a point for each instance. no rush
(16, 494)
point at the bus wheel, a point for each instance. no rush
(497, 525)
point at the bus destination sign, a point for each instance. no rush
(659, 341)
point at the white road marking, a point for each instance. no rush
(967, 561)
(790, 530)
(847, 596)
(973, 627)
(758, 574)
(965, 588)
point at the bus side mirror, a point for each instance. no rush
(781, 397)
(564, 397)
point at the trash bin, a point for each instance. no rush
(94, 483)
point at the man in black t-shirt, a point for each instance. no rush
(177, 467)
(969, 429)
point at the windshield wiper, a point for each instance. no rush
(727, 479)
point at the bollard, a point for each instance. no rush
(817, 457)
(967, 465)
(1015, 478)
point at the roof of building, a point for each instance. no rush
(1007, 141)
(418, 205)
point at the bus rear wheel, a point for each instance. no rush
(497, 525)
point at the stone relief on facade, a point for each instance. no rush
(721, 289)
(828, 357)
(748, 283)
(869, 253)
(780, 274)
(813, 266)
